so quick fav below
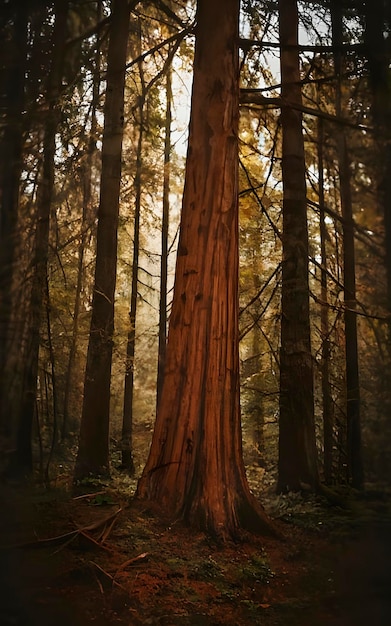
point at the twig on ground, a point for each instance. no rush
(89, 495)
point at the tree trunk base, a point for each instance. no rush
(127, 463)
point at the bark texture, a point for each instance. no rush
(93, 453)
(22, 460)
(379, 55)
(195, 469)
(164, 239)
(85, 235)
(353, 417)
(297, 464)
(327, 399)
(127, 418)
(13, 59)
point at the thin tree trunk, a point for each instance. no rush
(328, 413)
(55, 422)
(76, 308)
(256, 408)
(93, 453)
(354, 453)
(256, 401)
(195, 468)
(127, 419)
(85, 226)
(297, 464)
(23, 460)
(164, 241)
(355, 468)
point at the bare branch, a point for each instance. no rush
(256, 97)
(246, 44)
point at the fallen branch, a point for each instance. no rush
(89, 495)
(131, 561)
(108, 575)
(106, 524)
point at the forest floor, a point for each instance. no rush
(100, 558)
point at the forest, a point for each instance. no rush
(195, 312)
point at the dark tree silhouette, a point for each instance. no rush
(93, 453)
(297, 463)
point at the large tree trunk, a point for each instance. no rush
(353, 421)
(378, 54)
(22, 460)
(297, 464)
(93, 453)
(377, 39)
(195, 468)
(13, 68)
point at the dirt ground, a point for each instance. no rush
(100, 558)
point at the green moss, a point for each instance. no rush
(207, 569)
(257, 569)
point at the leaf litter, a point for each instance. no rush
(131, 566)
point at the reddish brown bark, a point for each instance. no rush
(195, 468)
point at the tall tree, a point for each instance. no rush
(164, 239)
(13, 31)
(353, 420)
(297, 463)
(22, 460)
(93, 453)
(195, 468)
(127, 417)
(377, 30)
(86, 171)
(327, 399)
(377, 39)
